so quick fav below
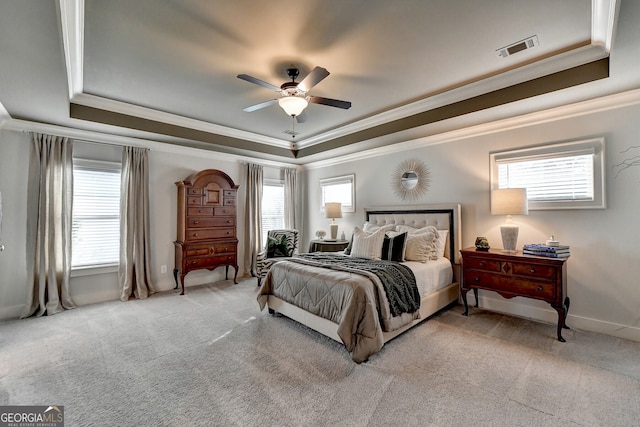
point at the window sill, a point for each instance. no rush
(93, 270)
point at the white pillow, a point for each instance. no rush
(420, 246)
(366, 244)
(433, 248)
(371, 227)
(441, 242)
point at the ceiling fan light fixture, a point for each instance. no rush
(293, 105)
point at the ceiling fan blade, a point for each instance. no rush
(330, 102)
(259, 106)
(259, 82)
(313, 78)
(302, 117)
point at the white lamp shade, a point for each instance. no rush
(333, 210)
(293, 105)
(509, 201)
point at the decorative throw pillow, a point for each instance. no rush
(367, 245)
(393, 246)
(420, 247)
(371, 227)
(277, 248)
(426, 229)
(441, 242)
(347, 250)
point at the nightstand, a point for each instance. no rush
(328, 245)
(517, 275)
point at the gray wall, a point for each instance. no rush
(168, 164)
(605, 259)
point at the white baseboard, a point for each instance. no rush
(11, 313)
(551, 316)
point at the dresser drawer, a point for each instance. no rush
(205, 222)
(209, 249)
(225, 211)
(211, 261)
(194, 191)
(194, 201)
(517, 285)
(200, 211)
(533, 270)
(482, 264)
(229, 202)
(210, 233)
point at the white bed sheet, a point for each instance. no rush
(432, 275)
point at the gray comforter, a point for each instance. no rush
(353, 299)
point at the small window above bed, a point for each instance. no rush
(339, 189)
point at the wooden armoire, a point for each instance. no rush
(206, 224)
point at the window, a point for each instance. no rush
(272, 207)
(339, 189)
(96, 213)
(568, 175)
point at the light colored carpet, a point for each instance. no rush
(210, 358)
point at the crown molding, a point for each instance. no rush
(605, 103)
(127, 109)
(111, 139)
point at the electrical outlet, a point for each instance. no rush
(163, 269)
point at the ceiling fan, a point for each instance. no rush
(294, 95)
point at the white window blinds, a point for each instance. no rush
(272, 207)
(96, 213)
(557, 176)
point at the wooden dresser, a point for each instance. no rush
(206, 224)
(513, 275)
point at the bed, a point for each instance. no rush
(350, 306)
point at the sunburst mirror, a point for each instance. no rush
(411, 179)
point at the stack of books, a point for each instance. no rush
(539, 249)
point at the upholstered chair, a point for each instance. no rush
(281, 244)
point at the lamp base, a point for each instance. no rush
(334, 231)
(509, 237)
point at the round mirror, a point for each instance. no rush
(409, 180)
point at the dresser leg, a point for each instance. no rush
(562, 315)
(175, 277)
(235, 275)
(182, 283)
(475, 294)
(567, 302)
(463, 292)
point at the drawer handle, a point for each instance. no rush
(482, 263)
(533, 270)
(195, 222)
(193, 262)
(228, 232)
(199, 210)
(539, 288)
(195, 234)
(228, 221)
(477, 279)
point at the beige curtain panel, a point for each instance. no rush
(253, 218)
(290, 191)
(134, 270)
(50, 199)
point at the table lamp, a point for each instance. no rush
(509, 201)
(333, 210)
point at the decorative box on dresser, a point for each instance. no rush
(206, 224)
(516, 274)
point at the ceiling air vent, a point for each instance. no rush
(528, 43)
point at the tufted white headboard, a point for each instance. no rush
(441, 216)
